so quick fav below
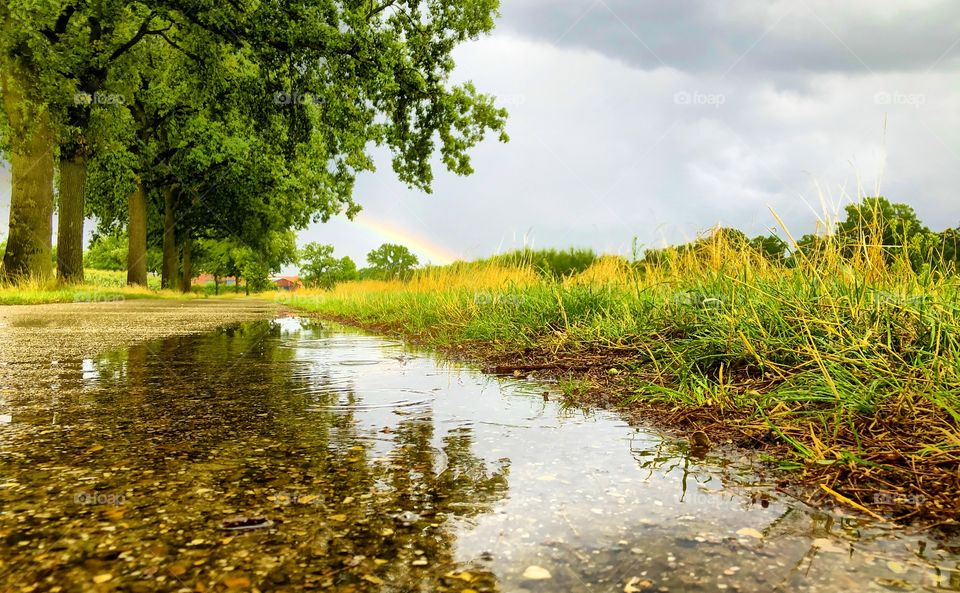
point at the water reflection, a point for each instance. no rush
(363, 466)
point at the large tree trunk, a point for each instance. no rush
(168, 277)
(73, 179)
(31, 163)
(186, 281)
(137, 237)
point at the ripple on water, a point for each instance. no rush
(360, 406)
(339, 343)
(358, 362)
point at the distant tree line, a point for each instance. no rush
(319, 268)
(223, 259)
(871, 226)
(555, 263)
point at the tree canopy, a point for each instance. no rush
(320, 269)
(179, 122)
(389, 261)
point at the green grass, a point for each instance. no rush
(98, 286)
(114, 279)
(104, 286)
(850, 369)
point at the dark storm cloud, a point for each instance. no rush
(755, 35)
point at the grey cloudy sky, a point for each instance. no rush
(658, 119)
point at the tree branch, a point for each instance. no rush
(95, 31)
(375, 11)
(175, 45)
(142, 32)
(61, 25)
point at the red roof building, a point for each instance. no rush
(286, 282)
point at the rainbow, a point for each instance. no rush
(435, 254)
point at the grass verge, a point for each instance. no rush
(99, 286)
(844, 371)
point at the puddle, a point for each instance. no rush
(287, 455)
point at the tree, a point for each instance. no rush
(109, 252)
(256, 264)
(380, 72)
(93, 42)
(390, 261)
(27, 142)
(771, 247)
(878, 223)
(241, 119)
(320, 269)
(936, 251)
(60, 60)
(345, 270)
(217, 258)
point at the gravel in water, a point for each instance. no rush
(144, 450)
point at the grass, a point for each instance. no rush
(99, 286)
(845, 370)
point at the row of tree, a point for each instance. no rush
(873, 225)
(220, 128)
(319, 268)
(890, 229)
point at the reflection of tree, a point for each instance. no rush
(225, 424)
(407, 517)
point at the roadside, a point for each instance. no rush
(100, 287)
(98, 294)
(890, 463)
(842, 425)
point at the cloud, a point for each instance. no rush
(743, 36)
(603, 151)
